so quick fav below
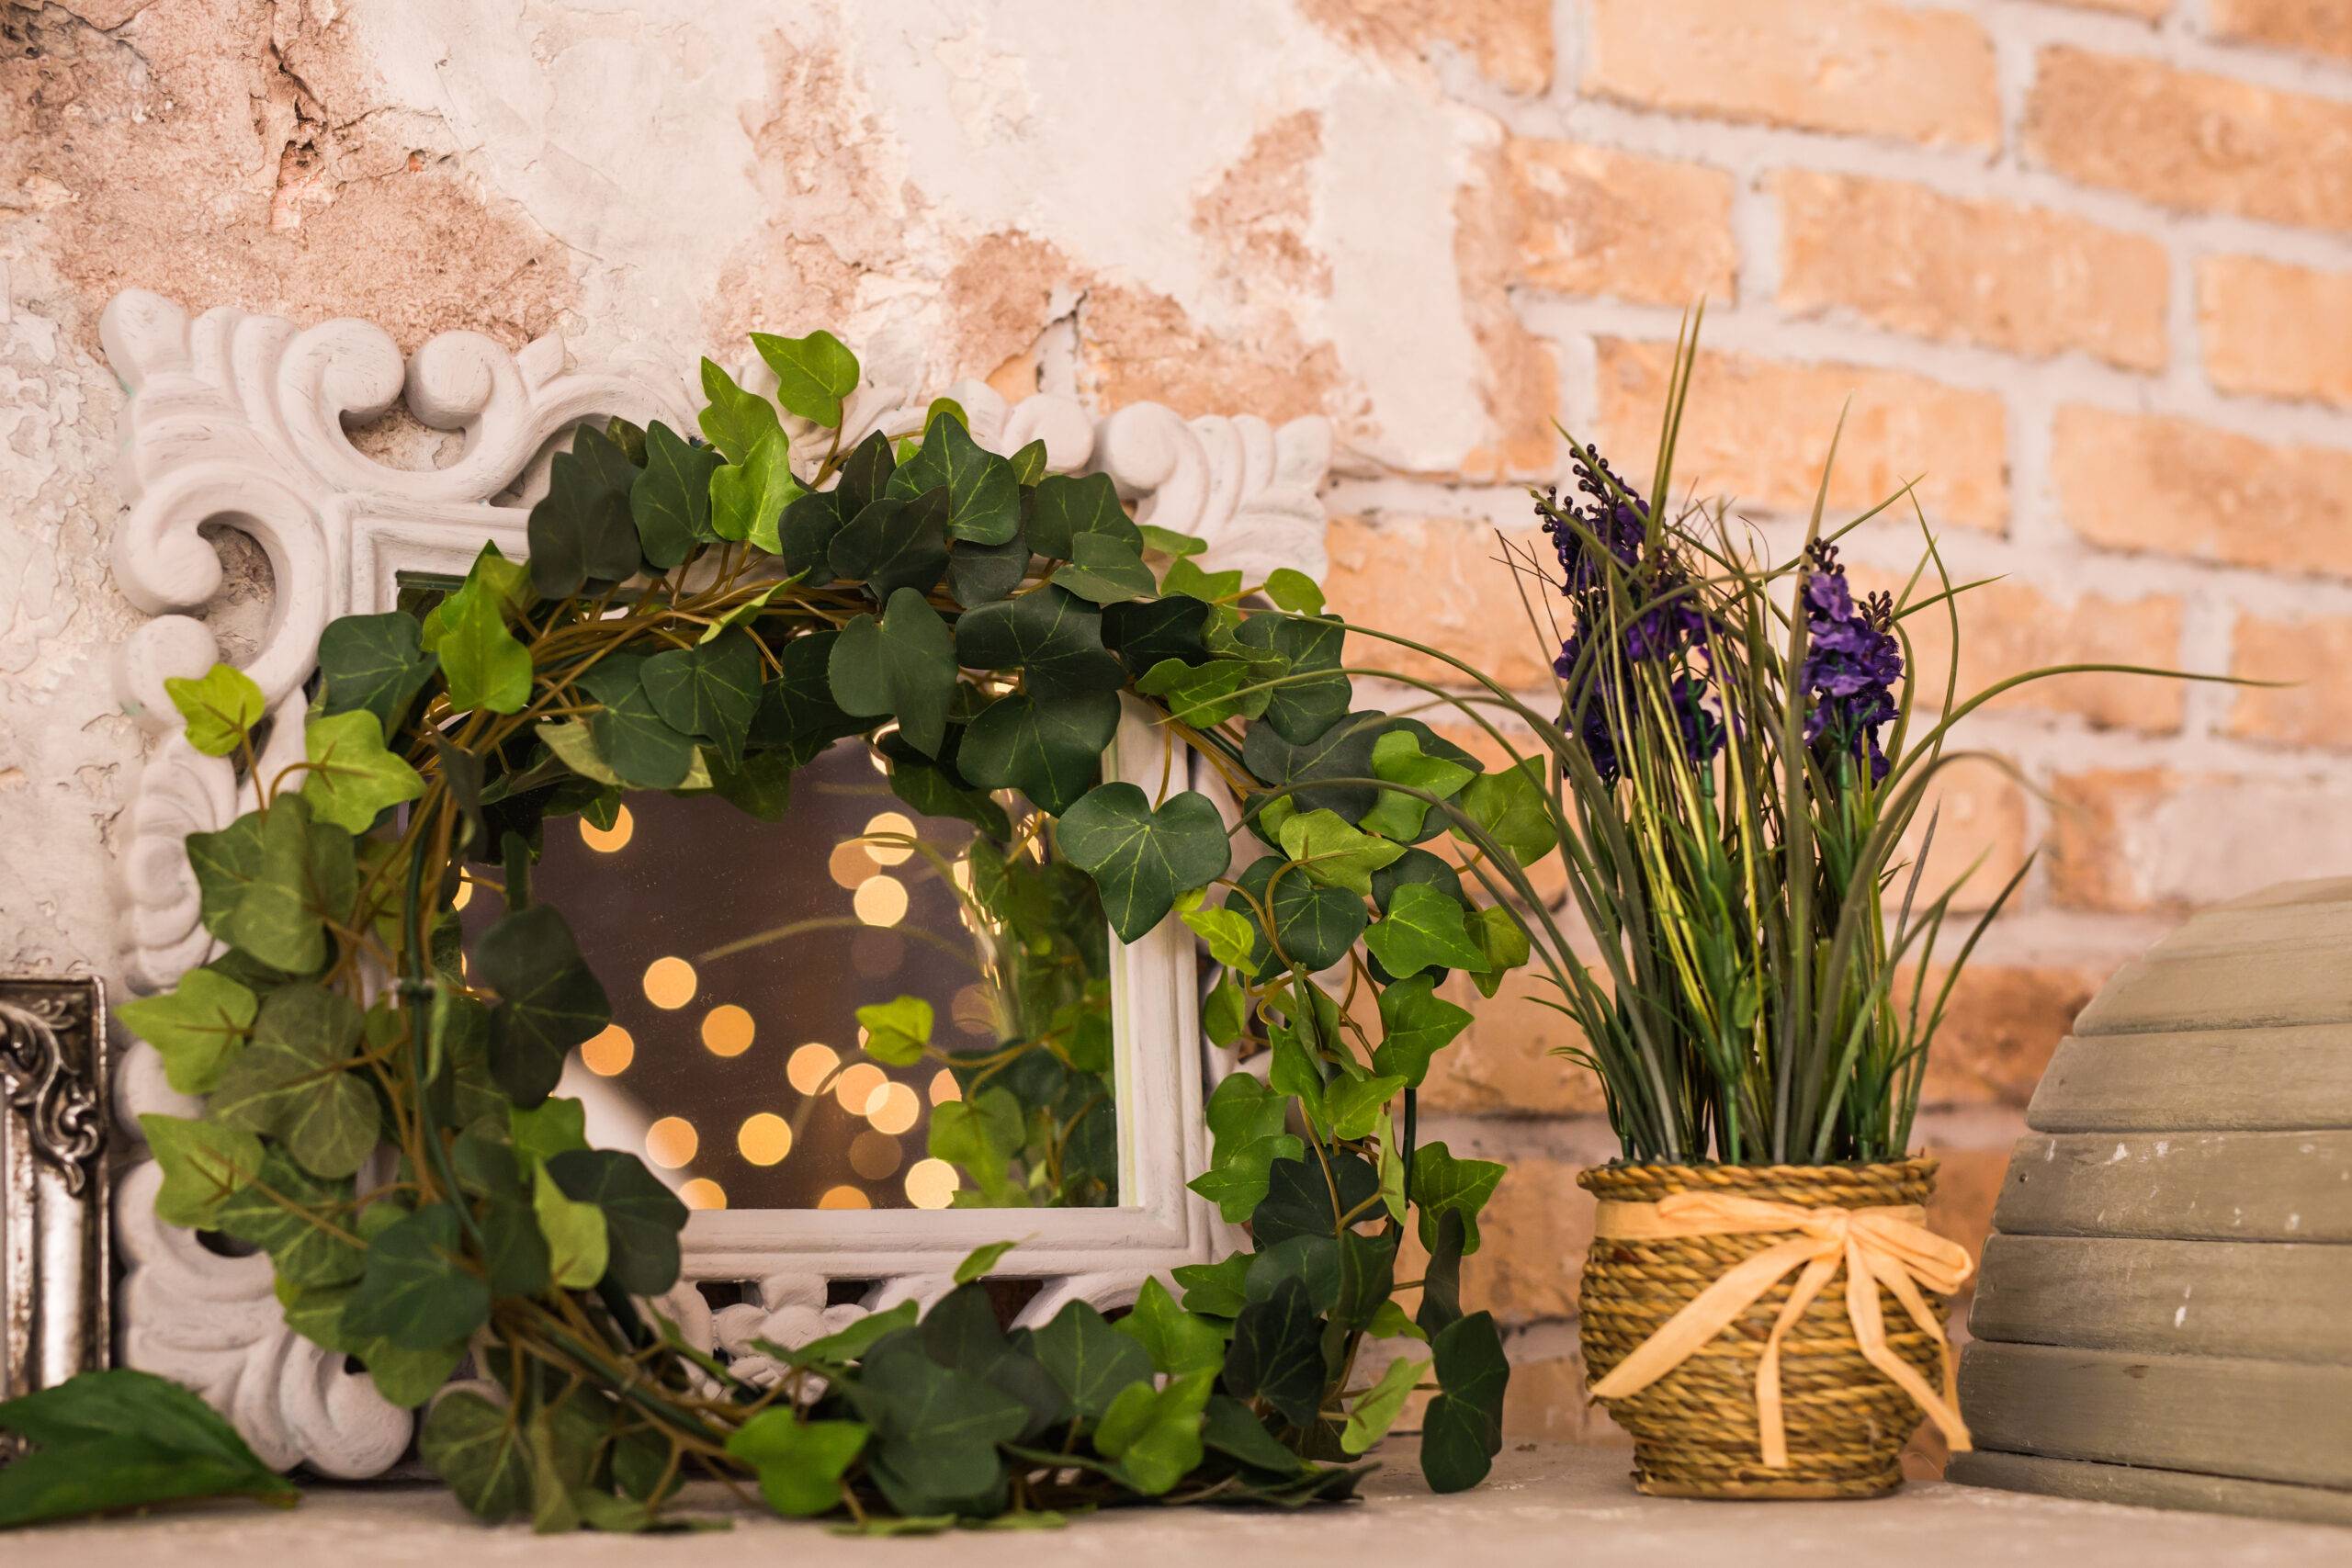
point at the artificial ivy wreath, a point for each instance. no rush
(707, 615)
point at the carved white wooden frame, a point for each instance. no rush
(244, 420)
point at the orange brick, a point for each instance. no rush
(1757, 431)
(1546, 1403)
(2315, 27)
(2008, 628)
(1502, 1064)
(1532, 1235)
(2148, 840)
(1999, 1028)
(2311, 655)
(2187, 140)
(1441, 581)
(2019, 278)
(2274, 330)
(1860, 66)
(2151, 10)
(1979, 814)
(1510, 40)
(1595, 221)
(2151, 482)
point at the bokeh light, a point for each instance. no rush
(893, 1109)
(764, 1139)
(670, 981)
(894, 824)
(609, 1052)
(609, 840)
(702, 1192)
(465, 895)
(671, 1142)
(931, 1184)
(849, 865)
(807, 1069)
(943, 1088)
(844, 1196)
(874, 1156)
(880, 901)
(858, 1085)
(727, 1031)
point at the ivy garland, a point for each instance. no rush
(699, 615)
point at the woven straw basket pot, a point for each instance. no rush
(1694, 1429)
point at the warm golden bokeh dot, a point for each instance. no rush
(465, 895)
(844, 1196)
(874, 1156)
(893, 1109)
(671, 1142)
(889, 825)
(880, 901)
(609, 1052)
(807, 1069)
(931, 1184)
(609, 840)
(858, 1085)
(765, 1139)
(670, 983)
(727, 1031)
(943, 1088)
(702, 1192)
(849, 865)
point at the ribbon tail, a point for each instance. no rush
(1699, 1321)
(1862, 1279)
(1771, 1428)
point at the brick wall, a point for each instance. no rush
(2086, 271)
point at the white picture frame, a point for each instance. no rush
(246, 422)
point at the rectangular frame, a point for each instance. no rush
(56, 1261)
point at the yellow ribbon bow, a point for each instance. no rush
(1888, 1246)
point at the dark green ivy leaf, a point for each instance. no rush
(1151, 631)
(935, 1432)
(896, 542)
(635, 741)
(291, 1082)
(641, 1216)
(1090, 1361)
(1105, 571)
(982, 574)
(224, 864)
(1050, 748)
(797, 707)
(1443, 1185)
(1341, 751)
(109, 1441)
(903, 664)
(1065, 508)
(670, 499)
(1314, 925)
(1463, 1430)
(1277, 1353)
(1052, 635)
(1299, 1198)
(1302, 709)
(805, 536)
(549, 1000)
(373, 662)
(1139, 858)
(866, 473)
(582, 530)
(417, 1293)
(477, 1449)
(296, 1219)
(711, 690)
(984, 498)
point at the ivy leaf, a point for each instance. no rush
(670, 499)
(641, 1216)
(1376, 1409)
(1141, 859)
(197, 1026)
(897, 1031)
(1397, 757)
(813, 374)
(1230, 938)
(1512, 807)
(546, 1129)
(982, 574)
(486, 666)
(1066, 508)
(204, 1165)
(1354, 1105)
(1185, 577)
(1087, 1359)
(1051, 634)
(866, 473)
(417, 1293)
(582, 530)
(1324, 846)
(736, 419)
(1204, 695)
(303, 877)
(1423, 927)
(1154, 1434)
(1443, 1185)
(516, 1255)
(903, 664)
(1295, 591)
(1105, 571)
(224, 864)
(1230, 1429)
(935, 1432)
(1416, 1023)
(549, 1001)
(849, 1344)
(476, 1450)
(711, 690)
(111, 1440)
(983, 496)
(1503, 939)
(222, 706)
(896, 542)
(981, 1259)
(1463, 1430)
(352, 777)
(1311, 694)
(1144, 633)
(373, 662)
(799, 1463)
(1179, 1343)
(979, 1136)
(748, 497)
(1050, 747)
(796, 709)
(1299, 1198)
(1277, 1353)
(1341, 751)
(760, 785)
(1223, 1014)
(637, 744)
(1215, 1289)
(805, 536)
(1168, 542)
(291, 1082)
(1416, 866)
(1314, 925)
(1245, 1126)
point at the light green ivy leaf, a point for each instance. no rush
(897, 1031)
(813, 374)
(353, 777)
(198, 1026)
(1330, 850)
(222, 706)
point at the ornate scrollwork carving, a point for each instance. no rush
(39, 1079)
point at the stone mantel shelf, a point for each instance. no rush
(1572, 1506)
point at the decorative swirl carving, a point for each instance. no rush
(1245, 487)
(38, 1077)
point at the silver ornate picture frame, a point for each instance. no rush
(245, 422)
(56, 1271)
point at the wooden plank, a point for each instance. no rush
(2197, 1081)
(2260, 1420)
(2181, 1186)
(2151, 1488)
(2312, 890)
(2262, 1301)
(2259, 979)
